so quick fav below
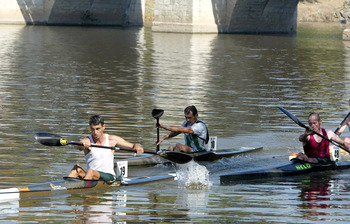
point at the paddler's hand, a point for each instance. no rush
(138, 148)
(304, 137)
(309, 131)
(86, 145)
(347, 143)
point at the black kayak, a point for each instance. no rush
(208, 156)
(296, 167)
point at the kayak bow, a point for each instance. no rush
(294, 168)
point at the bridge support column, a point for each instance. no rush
(185, 16)
(225, 16)
(77, 12)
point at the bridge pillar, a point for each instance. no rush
(186, 16)
(225, 16)
(69, 12)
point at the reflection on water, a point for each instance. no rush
(193, 202)
(97, 209)
(54, 78)
(191, 85)
(315, 193)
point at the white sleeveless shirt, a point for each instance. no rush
(100, 159)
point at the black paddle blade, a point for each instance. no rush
(157, 113)
(50, 139)
(176, 157)
(294, 118)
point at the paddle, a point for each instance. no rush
(341, 123)
(56, 140)
(157, 113)
(297, 121)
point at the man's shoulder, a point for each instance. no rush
(200, 123)
(113, 137)
(199, 127)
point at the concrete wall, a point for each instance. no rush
(73, 12)
(225, 16)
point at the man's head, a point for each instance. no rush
(96, 119)
(97, 126)
(315, 122)
(191, 114)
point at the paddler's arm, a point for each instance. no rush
(86, 144)
(174, 131)
(169, 135)
(122, 143)
(86, 147)
(341, 130)
(337, 139)
(304, 138)
(343, 127)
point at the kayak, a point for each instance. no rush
(145, 160)
(208, 156)
(211, 156)
(295, 167)
(72, 185)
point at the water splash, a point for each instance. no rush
(193, 176)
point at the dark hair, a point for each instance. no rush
(192, 109)
(96, 120)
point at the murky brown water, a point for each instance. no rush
(54, 78)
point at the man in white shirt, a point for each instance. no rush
(100, 161)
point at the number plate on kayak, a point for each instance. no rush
(122, 168)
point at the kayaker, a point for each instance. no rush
(342, 128)
(195, 132)
(316, 149)
(100, 161)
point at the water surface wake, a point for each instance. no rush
(193, 176)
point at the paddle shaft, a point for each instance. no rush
(56, 140)
(158, 146)
(112, 148)
(297, 121)
(157, 113)
(341, 123)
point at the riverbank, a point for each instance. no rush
(320, 10)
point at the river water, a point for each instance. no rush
(54, 78)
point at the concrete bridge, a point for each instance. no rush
(226, 16)
(191, 16)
